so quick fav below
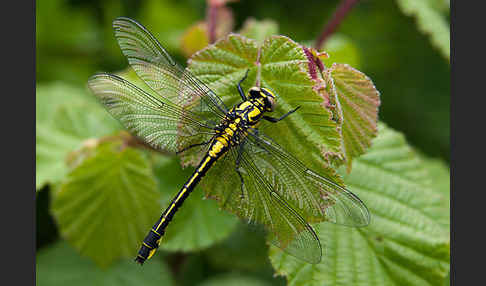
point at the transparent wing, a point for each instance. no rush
(155, 120)
(258, 204)
(312, 194)
(288, 230)
(155, 67)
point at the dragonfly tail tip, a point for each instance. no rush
(139, 260)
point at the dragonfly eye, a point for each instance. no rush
(270, 103)
(254, 92)
(269, 97)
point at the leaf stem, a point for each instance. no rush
(343, 9)
(212, 18)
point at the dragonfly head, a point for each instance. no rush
(268, 97)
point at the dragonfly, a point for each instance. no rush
(183, 114)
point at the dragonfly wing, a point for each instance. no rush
(155, 120)
(155, 66)
(262, 204)
(257, 204)
(311, 193)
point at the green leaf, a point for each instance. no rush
(431, 21)
(59, 264)
(438, 175)
(234, 280)
(406, 242)
(357, 102)
(50, 97)
(66, 120)
(281, 65)
(291, 71)
(439, 178)
(51, 149)
(107, 204)
(313, 134)
(259, 29)
(199, 223)
(66, 117)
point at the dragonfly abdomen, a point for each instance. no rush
(152, 240)
(231, 132)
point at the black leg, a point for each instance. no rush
(242, 195)
(275, 120)
(238, 159)
(193, 145)
(240, 90)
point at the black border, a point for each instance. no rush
(17, 110)
(468, 111)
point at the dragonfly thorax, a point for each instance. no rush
(237, 121)
(250, 112)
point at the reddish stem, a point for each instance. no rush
(344, 7)
(212, 18)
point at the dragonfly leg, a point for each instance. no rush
(242, 195)
(240, 90)
(275, 120)
(237, 169)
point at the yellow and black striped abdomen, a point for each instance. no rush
(152, 240)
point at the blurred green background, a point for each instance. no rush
(74, 40)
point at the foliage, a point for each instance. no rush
(259, 30)
(407, 242)
(356, 103)
(431, 21)
(285, 67)
(112, 192)
(59, 264)
(107, 188)
(289, 70)
(58, 54)
(233, 280)
(63, 126)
